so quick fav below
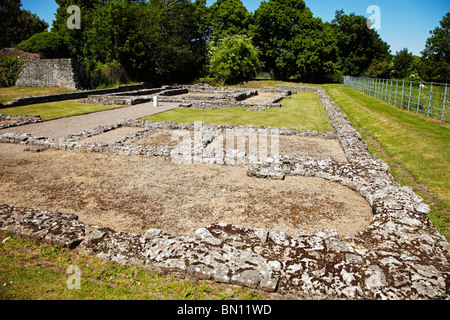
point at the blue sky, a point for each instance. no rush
(404, 23)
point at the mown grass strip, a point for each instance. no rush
(8, 94)
(55, 110)
(35, 271)
(417, 146)
(303, 112)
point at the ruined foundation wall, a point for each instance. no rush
(63, 73)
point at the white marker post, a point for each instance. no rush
(155, 101)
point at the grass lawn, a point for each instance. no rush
(36, 271)
(8, 94)
(304, 112)
(416, 147)
(59, 109)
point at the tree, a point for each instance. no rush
(234, 59)
(49, 44)
(403, 64)
(75, 39)
(10, 70)
(293, 42)
(226, 18)
(379, 69)
(18, 24)
(358, 45)
(436, 56)
(156, 41)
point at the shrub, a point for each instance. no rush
(107, 74)
(51, 45)
(10, 70)
(234, 60)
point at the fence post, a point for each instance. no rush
(429, 100)
(443, 106)
(410, 94)
(418, 97)
(403, 90)
(390, 92)
(396, 91)
(376, 87)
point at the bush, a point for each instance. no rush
(234, 60)
(10, 70)
(107, 75)
(51, 45)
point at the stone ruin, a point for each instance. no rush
(399, 256)
(201, 96)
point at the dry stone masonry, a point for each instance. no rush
(399, 256)
(64, 73)
(7, 121)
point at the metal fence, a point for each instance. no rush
(428, 98)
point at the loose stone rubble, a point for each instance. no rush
(14, 121)
(399, 256)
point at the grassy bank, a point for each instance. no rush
(36, 271)
(416, 147)
(303, 111)
(59, 109)
(8, 94)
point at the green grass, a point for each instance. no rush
(54, 110)
(304, 112)
(8, 94)
(394, 92)
(416, 147)
(36, 271)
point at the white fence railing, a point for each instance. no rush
(428, 98)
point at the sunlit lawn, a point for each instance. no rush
(8, 94)
(303, 111)
(59, 109)
(419, 145)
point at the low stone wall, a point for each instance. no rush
(399, 256)
(24, 101)
(135, 97)
(14, 121)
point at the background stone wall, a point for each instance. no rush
(65, 73)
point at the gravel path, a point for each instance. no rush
(60, 128)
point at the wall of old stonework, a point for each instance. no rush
(63, 73)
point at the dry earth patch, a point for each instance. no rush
(134, 194)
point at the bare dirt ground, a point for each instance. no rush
(287, 145)
(134, 194)
(162, 138)
(261, 97)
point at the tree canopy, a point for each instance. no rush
(234, 59)
(436, 56)
(358, 46)
(168, 40)
(18, 24)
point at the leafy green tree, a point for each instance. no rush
(226, 18)
(358, 45)
(234, 59)
(10, 70)
(379, 69)
(75, 39)
(18, 24)
(49, 44)
(403, 64)
(155, 41)
(436, 56)
(293, 42)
